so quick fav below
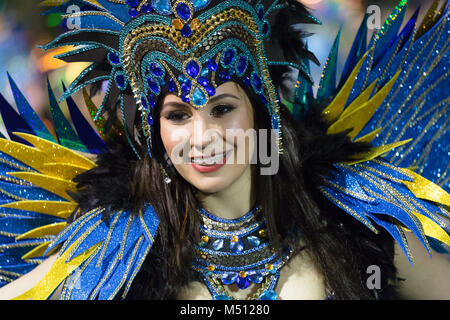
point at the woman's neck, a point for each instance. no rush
(234, 201)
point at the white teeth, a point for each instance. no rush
(209, 161)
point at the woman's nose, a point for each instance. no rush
(203, 133)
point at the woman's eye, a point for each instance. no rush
(177, 116)
(221, 110)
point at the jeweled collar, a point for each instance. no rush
(237, 251)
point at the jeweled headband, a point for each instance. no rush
(189, 48)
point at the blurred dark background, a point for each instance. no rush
(23, 28)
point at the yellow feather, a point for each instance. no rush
(369, 137)
(48, 230)
(59, 209)
(36, 252)
(425, 189)
(55, 185)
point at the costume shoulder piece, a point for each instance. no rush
(392, 93)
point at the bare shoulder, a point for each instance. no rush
(26, 282)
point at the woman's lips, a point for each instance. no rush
(210, 164)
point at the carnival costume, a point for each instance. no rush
(392, 93)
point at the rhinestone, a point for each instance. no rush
(228, 57)
(120, 81)
(171, 85)
(177, 24)
(203, 81)
(186, 31)
(150, 119)
(211, 267)
(256, 277)
(210, 90)
(242, 283)
(220, 297)
(218, 244)
(146, 8)
(212, 65)
(200, 4)
(224, 76)
(183, 11)
(269, 295)
(254, 241)
(133, 12)
(229, 278)
(192, 68)
(156, 70)
(113, 58)
(162, 6)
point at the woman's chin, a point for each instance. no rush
(213, 181)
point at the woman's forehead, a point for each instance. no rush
(228, 87)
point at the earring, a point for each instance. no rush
(167, 179)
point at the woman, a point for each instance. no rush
(216, 225)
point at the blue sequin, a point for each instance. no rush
(144, 102)
(183, 11)
(256, 82)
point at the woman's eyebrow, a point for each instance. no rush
(221, 96)
(211, 100)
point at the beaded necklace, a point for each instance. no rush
(238, 252)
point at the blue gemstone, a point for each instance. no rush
(146, 8)
(241, 64)
(246, 81)
(133, 12)
(192, 69)
(162, 6)
(204, 73)
(269, 295)
(186, 87)
(263, 99)
(114, 58)
(212, 65)
(217, 244)
(203, 81)
(153, 85)
(220, 297)
(256, 82)
(228, 57)
(171, 85)
(133, 3)
(265, 28)
(254, 241)
(242, 283)
(200, 4)
(255, 277)
(144, 103)
(224, 76)
(273, 271)
(229, 278)
(150, 119)
(120, 81)
(183, 11)
(151, 100)
(261, 13)
(186, 31)
(156, 70)
(185, 98)
(210, 90)
(236, 246)
(198, 97)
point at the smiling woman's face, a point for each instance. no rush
(201, 143)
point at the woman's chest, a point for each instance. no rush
(300, 279)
